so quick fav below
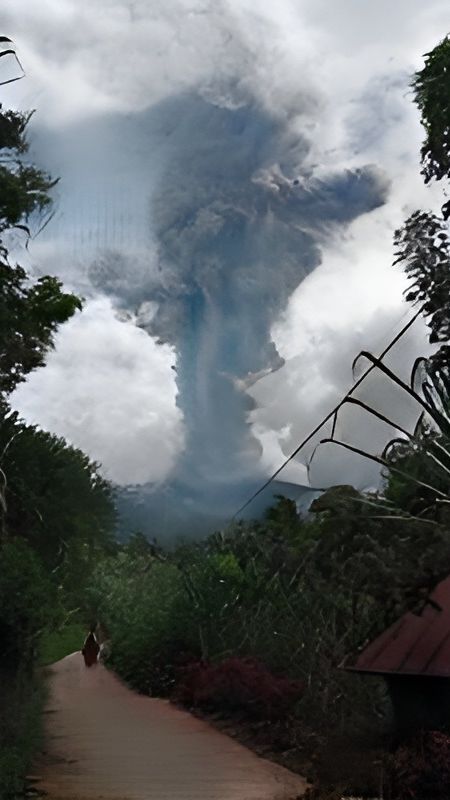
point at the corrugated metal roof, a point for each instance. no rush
(417, 644)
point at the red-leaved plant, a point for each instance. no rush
(420, 770)
(238, 686)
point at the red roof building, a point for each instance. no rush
(417, 644)
(413, 655)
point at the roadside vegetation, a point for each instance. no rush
(55, 644)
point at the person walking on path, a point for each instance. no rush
(91, 649)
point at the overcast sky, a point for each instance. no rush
(335, 74)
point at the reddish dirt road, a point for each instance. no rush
(104, 741)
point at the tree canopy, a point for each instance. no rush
(24, 188)
(30, 311)
(431, 87)
(54, 505)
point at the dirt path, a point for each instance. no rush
(104, 741)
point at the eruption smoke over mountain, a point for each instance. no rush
(237, 226)
(213, 157)
(236, 220)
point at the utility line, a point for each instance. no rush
(329, 416)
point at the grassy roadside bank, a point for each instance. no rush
(22, 699)
(55, 645)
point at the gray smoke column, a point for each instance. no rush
(238, 222)
(235, 220)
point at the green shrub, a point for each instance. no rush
(57, 644)
(28, 602)
(138, 602)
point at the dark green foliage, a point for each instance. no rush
(423, 250)
(141, 603)
(349, 765)
(420, 769)
(13, 126)
(30, 311)
(422, 243)
(21, 702)
(296, 596)
(29, 316)
(28, 602)
(424, 458)
(56, 644)
(55, 496)
(59, 518)
(24, 189)
(380, 550)
(432, 94)
(419, 469)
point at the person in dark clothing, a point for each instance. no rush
(91, 649)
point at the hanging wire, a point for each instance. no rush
(330, 415)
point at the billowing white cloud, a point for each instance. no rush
(121, 55)
(353, 301)
(293, 401)
(109, 389)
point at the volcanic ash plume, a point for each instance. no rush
(235, 220)
(238, 223)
